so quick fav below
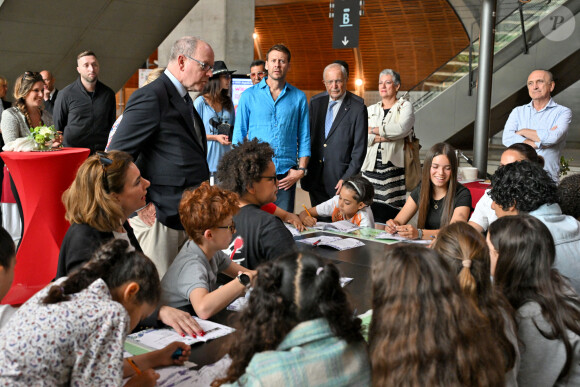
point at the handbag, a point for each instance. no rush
(412, 161)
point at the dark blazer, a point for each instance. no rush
(344, 150)
(158, 130)
(80, 243)
(49, 105)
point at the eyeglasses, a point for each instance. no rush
(204, 66)
(231, 227)
(337, 81)
(258, 74)
(271, 178)
(105, 162)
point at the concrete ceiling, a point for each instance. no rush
(40, 34)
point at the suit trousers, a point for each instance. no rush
(159, 242)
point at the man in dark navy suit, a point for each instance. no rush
(164, 133)
(338, 136)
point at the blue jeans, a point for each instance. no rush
(285, 199)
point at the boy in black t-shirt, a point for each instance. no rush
(248, 170)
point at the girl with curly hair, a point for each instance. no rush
(207, 216)
(298, 329)
(548, 311)
(424, 331)
(465, 251)
(439, 199)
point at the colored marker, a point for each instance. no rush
(317, 242)
(178, 352)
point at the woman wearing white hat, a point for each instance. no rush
(217, 112)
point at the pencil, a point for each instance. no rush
(134, 366)
(306, 209)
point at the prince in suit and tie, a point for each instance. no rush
(165, 135)
(338, 136)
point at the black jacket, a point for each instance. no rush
(85, 120)
(159, 131)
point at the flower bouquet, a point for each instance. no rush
(43, 137)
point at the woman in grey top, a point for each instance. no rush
(522, 255)
(28, 110)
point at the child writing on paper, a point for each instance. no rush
(352, 204)
(72, 332)
(207, 216)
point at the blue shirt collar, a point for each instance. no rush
(550, 104)
(178, 86)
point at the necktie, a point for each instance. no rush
(196, 130)
(329, 118)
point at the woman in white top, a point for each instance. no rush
(484, 215)
(390, 121)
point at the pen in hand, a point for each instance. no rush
(306, 209)
(134, 366)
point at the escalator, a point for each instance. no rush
(445, 102)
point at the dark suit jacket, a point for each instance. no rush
(158, 130)
(49, 105)
(343, 151)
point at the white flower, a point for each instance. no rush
(45, 131)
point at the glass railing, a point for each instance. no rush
(507, 31)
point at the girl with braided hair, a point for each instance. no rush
(72, 332)
(298, 329)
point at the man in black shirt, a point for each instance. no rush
(248, 170)
(85, 110)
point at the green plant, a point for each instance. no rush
(564, 166)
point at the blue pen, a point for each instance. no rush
(178, 352)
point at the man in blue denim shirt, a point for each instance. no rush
(277, 113)
(542, 124)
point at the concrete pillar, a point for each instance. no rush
(227, 25)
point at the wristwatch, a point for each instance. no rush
(305, 170)
(244, 279)
(420, 233)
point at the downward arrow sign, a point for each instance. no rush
(345, 41)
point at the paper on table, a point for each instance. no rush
(344, 244)
(293, 230)
(160, 338)
(345, 281)
(342, 226)
(397, 237)
(321, 239)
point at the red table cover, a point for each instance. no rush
(40, 179)
(477, 189)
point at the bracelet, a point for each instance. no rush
(420, 233)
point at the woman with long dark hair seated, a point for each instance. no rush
(548, 311)
(298, 329)
(439, 198)
(107, 189)
(72, 332)
(424, 331)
